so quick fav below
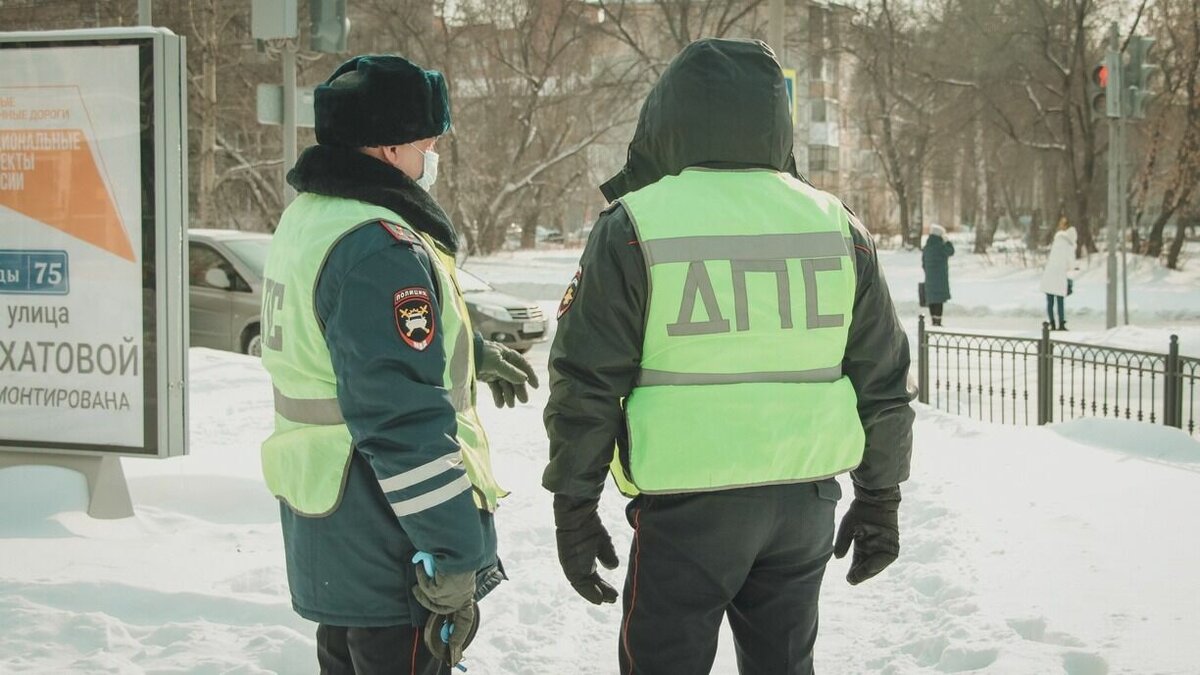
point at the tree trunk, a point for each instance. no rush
(983, 226)
(1154, 244)
(1177, 245)
(905, 216)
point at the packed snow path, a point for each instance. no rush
(1069, 548)
(1063, 549)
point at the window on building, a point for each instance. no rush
(822, 158)
(824, 110)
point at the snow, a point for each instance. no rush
(1067, 548)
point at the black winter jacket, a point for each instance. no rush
(719, 104)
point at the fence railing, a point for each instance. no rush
(1021, 380)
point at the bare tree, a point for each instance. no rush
(655, 31)
(896, 105)
(529, 96)
(1171, 171)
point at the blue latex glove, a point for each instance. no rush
(429, 567)
(427, 560)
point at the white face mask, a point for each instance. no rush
(429, 168)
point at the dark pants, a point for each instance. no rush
(935, 310)
(1050, 310)
(756, 555)
(394, 650)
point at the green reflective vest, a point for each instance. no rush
(752, 285)
(305, 460)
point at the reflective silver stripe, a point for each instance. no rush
(426, 471)
(746, 247)
(460, 370)
(651, 378)
(433, 497)
(308, 410)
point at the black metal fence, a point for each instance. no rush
(1020, 380)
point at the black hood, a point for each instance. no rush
(347, 173)
(721, 103)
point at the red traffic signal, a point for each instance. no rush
(1100, 76)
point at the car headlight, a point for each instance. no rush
(495, 311)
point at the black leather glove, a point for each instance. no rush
(871, 523)
(505, 372)
(582, 540)
(451, 598)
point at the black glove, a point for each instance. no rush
(582, 540)
(451, 598)
(506, 373)
(871, 523)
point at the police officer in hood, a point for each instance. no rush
(378, 456)
(730, 331)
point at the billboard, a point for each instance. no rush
(92, 220)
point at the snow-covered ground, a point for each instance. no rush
(1070, 548)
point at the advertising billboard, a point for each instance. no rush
(92, 220)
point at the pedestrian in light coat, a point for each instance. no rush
(1060, 265)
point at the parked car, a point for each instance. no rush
(505, 318)
(225, 294)
(225, 274)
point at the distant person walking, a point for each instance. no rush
(1056, 280)
(935, 260)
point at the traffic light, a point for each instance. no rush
(1137, 76)
(1096, 91)
(330, 25)
(1112, 66)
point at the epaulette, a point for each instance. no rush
(400, 233)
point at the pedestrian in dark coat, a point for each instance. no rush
(935, 260)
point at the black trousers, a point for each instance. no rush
(756, 555)
(393, 650)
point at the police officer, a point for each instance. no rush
(730, 330)
(378, 455)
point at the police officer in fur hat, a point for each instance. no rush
(378, 457)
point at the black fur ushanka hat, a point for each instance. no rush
(375, 100)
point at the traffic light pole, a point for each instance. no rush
(1125, 224)
(289, 117)
(1115, 144)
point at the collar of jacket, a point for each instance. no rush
(349, 174)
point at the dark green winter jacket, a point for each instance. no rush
(935, 259)
(354, 567)
(720, 104)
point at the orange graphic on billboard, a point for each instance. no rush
(50, 175)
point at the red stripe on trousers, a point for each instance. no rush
(416, 638)
(637, 556)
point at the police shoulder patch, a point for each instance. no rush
(400, 233)
(568, 298)
(415, 320)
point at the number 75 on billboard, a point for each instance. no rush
(34, 272)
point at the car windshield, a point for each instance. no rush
(471, 283)
(252, 252)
